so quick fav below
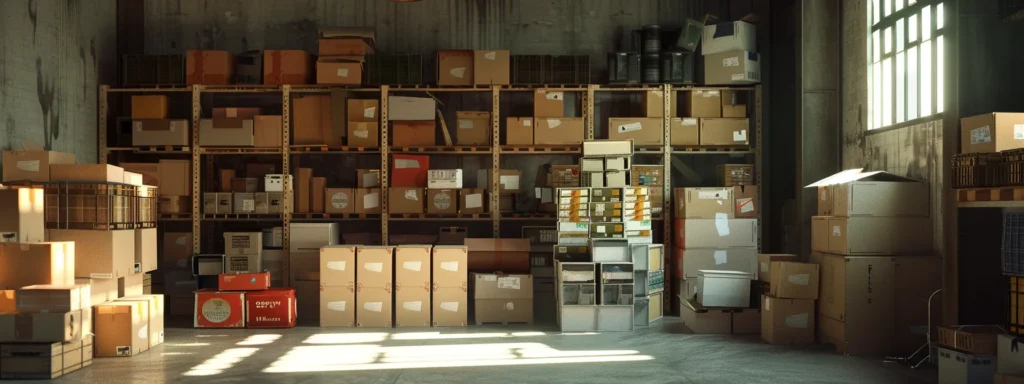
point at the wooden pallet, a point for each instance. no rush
(91, 226)
(324, 148)
(711, 149)
(327, 216)
(504, 323)
(439, 149)
(440, 216)
(241, 150)
(165, 148)
(241, 216)
(544, 86)
(540, 149)
(990, 194)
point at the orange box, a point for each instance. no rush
(287, 67)
(344, 46)
(243, 281)
(209, 67)
(149, 106)
(216, 309)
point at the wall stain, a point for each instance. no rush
(85, 70)
(9, 131)
(45, 90)
(33, 17)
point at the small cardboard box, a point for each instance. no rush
(149, 107)
(454, 67)
(317, 185)
(685, 131)
(703, 320)
(243, 243)
(175, 178)
(405, 200)
(790, 280)
(764, 262)
(365, 110)
(703, 103)
(24, 216)
(724, 131)
(472, 200)
(503, 299)
(209, 67)
(339, 200)
(32, 165)
(654, 104)
(444, 178)
(643, 131)
(491, 67)
(558, 131)
(367, 200)
(368, 178)
(746, 201)
(704, 203)
(287, 67)
(226, 132)
(519, 131)
(442, 201)
(474, 128)
(413, 133)
(267, 132)
(787, 321)
(341, 72)
(121, 328)
(734, 67)
(548, 103)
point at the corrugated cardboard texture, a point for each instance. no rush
(450, 307)
(790, 280)
(764, 264)
(413, 133)
(155, 320)
(267, 131)
(101, 290)
(374, 307)
(473, 128)
(41, 327)
(24, 264)
(149, 106)
(287, 67)
(503, 310)
(32, 165)
(53, 298)
(491, 67)
(100, 254)
(339, 72)
(337, 307)
(991, 132)
(130, 285)
(747, 202)
(505, 255)
(145, 249)
(442, 201)
(412, 308)
(175, 178)
(879, 235)
(787, 321)
(226, 132)
(374, 267)
(654, 104)
(704, 203)
(490, 286)
(339, 200)
(306, 119)
(472, 200)
(858, 294)
(368, 200)
(338, 266)
(450, 268)
(723, 131)
(87, 172)
(548, 103)
(406, 200)
(881, 198)
(703, 320)
(209, 68)
(454, 67)
(119, 327)
(702, 103)
(519, 131)
(685, 131)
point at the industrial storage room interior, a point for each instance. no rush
(512, 191)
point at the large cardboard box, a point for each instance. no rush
(450, 266)
(337, 307)
(287, 67)
(765, 262)
(365, 110)
(406, 200)
(442, 201)
(100, 290)
(741, 260)
(413, 133)
(787, 321)
(209, 67)
(23, 213)
(101, 173)
(472, 200)
(176, 251)
(23, 264)
(121, 328)
(175, 178)
(412, 285)
(145, 250)
(367, 200)
(548, 103)
(728, 36)
(100, 254)
(474, 128)
(654, 104)
(267, 132)
(32, 165)
(47, 298)
(155, 319)
(375, 307)
(41, 327)
(455, 67)
(149, 107)
(519, 131)
(341, 71)
(130, 285)
(703, 103)
(375, 265)
(339, 200)
(311, 119)
(703, 320)
(871, 235)
(303, 179)
(450, 307)
(158, 132)
(853, 193)
(491, 67)
(411, 108)
(226, 132)
(503, 299)
(505, 255)
(337, 286)
(643, 131)
(558, 131)
(991, 132)
(704, 203)
(722, 131)
(685, 131)
(734, 67)
(790, 280)
(719, 233)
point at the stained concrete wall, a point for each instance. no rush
(53, 56)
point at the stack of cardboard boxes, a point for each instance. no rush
(648, 130)
(730, 55)
(412, 122)
(549, 124)
(873, 240)
(606, 164)
(151, 126)
(787, 311)
(342, 53)
(714, 118)
(362, 122)
(173, 179)
(245, 300)
(59, 340)
(652, 177)
(468, 68)
(259, 193)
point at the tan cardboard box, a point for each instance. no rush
(341, 72)
(764, 262)
(130, 285)
(474, 128)
(344, 46)
(413, 133)
(150, 172)
(991, 132)
(47, 298)
(303, 179)
(8, 301)
(340, 200)
(405, 200)
(412, 286)
(734, 104)
(156, 316)
(87, 172)
(548, 103)
(853, 193)
(703, 320)
(46, 327)
(703, 103)
(363, 134)
(472, 200)
(175, 178)
(375, 264)
(724, 131)
(375, 307)
(22, 210)
(291, 66)
(508, 180)
(643, 131)
(100, 254)
(367, 200)
(442, 201)
(226, 132)
(368, 178)
(100, 290)
(149, 107)
(519, 131)
(654, 104)
(243, 243)
(402, 108)
(450, 307)
(558, 131)
(317, 185)
(450, 268)
(503, 299)
(746, 201)
(157, 132)
(311, 118)
(364, 110)
(491, 67)
(267, 131)
(121, 328)
(32, 165)
(337, 266)
(209, 67)
(454, 67)
(791, 280)
(145, 249)
(337, 306)
(734, 67)
(233, 113)
(647, 175)
(704, 203)
(685, 131)
(713, 233)
(174, 204)
(875, 235)
(787, 321)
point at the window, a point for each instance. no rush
(905, 63)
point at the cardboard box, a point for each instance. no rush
(991, 132)
(364, 110)
(565, 176)
(685, 131)
(100, 254)
(244, 184)
(450, 266)
(409, 170)
(724, 131)
(23, 213)
(121, 328)
(736, 174)
(53, 298)
(175, 178)
(317, 185)
(791, 280)
(311, 118)
(712, 233)
(444, 179)
(160, 132)
(287, 67)
(367, 200)
(853, 193)
(217, 203)
(337, 266)
(243, 281)
(450, 307)
(412, 286)
(442, 201)
(764, 262)
(267, 132)
(503, 298)
(215, 309)
(337, 306)
(303, 178)
(155, 323)
(339, 71)
(746, 201)
(243, 243)
(32, 165)
(654, 104)
(344, 46)
(87, 172)
(454, 67)
(787, 321)
(734, 103)
(508, 180)
(741, 260)
(474, 128)
(41, 327)
(472, 201)
(704, 203)
(375, 265)
(339, 200)
(505, 255)
(405, 200)
(150, 172)
(519, 131)
(313, 236)
(413, 133)
(872, 235)
(647, 175)
(235, 113)
(548, 103)
(209, 68)
(130, 285)
(271, 308)
(491, 67)
(558, 131)
(100, 291)
(149, 107)
(703, 103)
(643, 131)
(723, 288)
(226, 132)
(374, 279)
(703, 320)
(174, 204)
(728, 36)
(401, 108)
(134, 179)
(145, 250)
(734, 67)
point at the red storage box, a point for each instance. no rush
(272, 308)
(216, 309)
(409, 171)
(243, 281)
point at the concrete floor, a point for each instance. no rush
(521, 354)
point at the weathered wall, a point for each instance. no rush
(53, 56)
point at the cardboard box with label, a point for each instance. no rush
(724, 131)
(374, 282)
(719, 233)
(209, 67)
(654, 104)
(791, 280)
(704, 203)
(787, 321)
(506, 255)
(243, 243)
(548, 103)
(473, 128)
(155, 323)
(412, 285)
(871, 235)
(455, 67)
(473, 200)
(100, 254)
(443, 201)
(746, 199)
(405, 200)
(450, 307)
(734, 67)
(267, 132)
(444, 179)
(145, 249)
(703, 103)
(685, 131)
(158, 132)
(368, 178)
(491, 67)
(226, 132)
(338, 286)
(293, 67)
(519, 131)
(643, 131)
(337, 306)
(149, 107)
(101, 173)
(413, 133)
(121, 328)
(339, 200)
(33, 163)
(508, 180)
(365, 110)
(764, 262)
(339, 71)
(402, 108)
(991, 132)
(558, 131)
(855, 193)
(728, 36)
(503, 298)
(367, 200)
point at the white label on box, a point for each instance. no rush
(708, 195)
(491, 55)
(799, 279)
(406, 163)
(630, 127)
(450, 306)
(510, 306)
(412, 194)
(689, 121)
(731, 61)
(527, 123)
(745, 204)
(374, 267)
(412, 265)
(824, 196)
(371, 180)
(369, 112)
(740, 135)
(144, 332)
(981, 135)
(721, 257)
(370, 200)
(336, 265)
(490, 277)
(797, 321)
(231, 113)
(600, 229)
(835, 231)
(415, 306)
(361, 133)
(459, 72)
(137, 125)
(509, 181)
(442, 201)
(338, 306)
(339, 200)
(552, 123)
(737, 76)
(450, 266)
(764, 266)
(374, 306)
(554, 96)
(1018, 131)
(248, 205)
(474, 200)
(767, 304)
(343, 72)
(465, 124)
(710, 93)
(28, 165)
(722, 224)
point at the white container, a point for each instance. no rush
(273, 183)
(594, 179)
(962, 368)
(592, 165)
(1010, 361)
(444, 179)
(617, 164)
(610, 251)
(313, 236)
(616, 179)
(730, 289)
(728, 36)
(607, 148)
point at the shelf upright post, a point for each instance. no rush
(495, 160)
(758, 162)
(196, 169)
(588, 113)
(666, 191)
(384, 166)
(286, 210)
(102, 123)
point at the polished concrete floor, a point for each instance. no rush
(521, 354)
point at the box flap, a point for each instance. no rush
(28, 145)
(342, 59)
(858, 174)
(366, 33)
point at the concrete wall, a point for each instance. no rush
(53, 56)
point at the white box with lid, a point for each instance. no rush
(444, 178)
(730, 289)
(275, 183)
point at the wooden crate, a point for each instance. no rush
(973, 339)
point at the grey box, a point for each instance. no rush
(957, 367)
(617, 318)
(642, 312)
(577, 318)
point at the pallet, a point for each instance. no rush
(328, 216)
(145, 224)
(573, 87)
(324, 148)
(240, 151)
(990, 194)
(175, 216)
(440, 216)
(504, 323)
(711, 149)
(510, 149)
(241, 216)
(441, 149)
(162, 149)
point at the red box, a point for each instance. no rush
(215, 309)
(272, 308)
(243, 281)
(409, 171)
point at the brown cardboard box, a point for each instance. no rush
(736, 174)
(787, 321)
(303, 180)
(450, 307)
(733, 67)
(374, 281)
(245, 184)
(145, 249)
(412, 286)
(413, 133)
(473, 200)
(991, 132)
(703, 103)
(654, 104)
(508, 180)
(130, 285)
(450, 266)
(647, 175)
(209, 68)
(23, 213)
(643, 131)
(339, 200)
(150, 172)
(102, 173)
(875, 235)
(685, 131)
(338, 286)
(405, 200)
(317, 185)
(308, 119)
(341, 71)
(703, 320)
(175, 178)
(764, 262)
(454, 67)
(565, 176)
(227, 179)
(367, 200)
(442, 201)
(41, 327)
(558, 131)
(287, 67)
(100, 291)
(790, 280)
(149, 107)
(365, 110)
(724, 131)
(235, 113)
(505, 255)
(491, 67)
(474, 128)
(160, 132)
(337, 306)
(217, 202)
(344, 46)
(363, 134)
(226, 132)
(7, 301)
(46, 298)
(267, 131)
(519, 131)
(503, 299)
(857, 303)
(548, 103)
(734, 104)
(176, 251)
(851, 193)
(403, 108)
(703, 203)
(32, 165)
(156, 316)
(368, 178)
(243, 243)
(746, 201)
(120, 328)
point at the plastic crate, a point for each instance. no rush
(979, 170)
(1013, 243)
(531, 69)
